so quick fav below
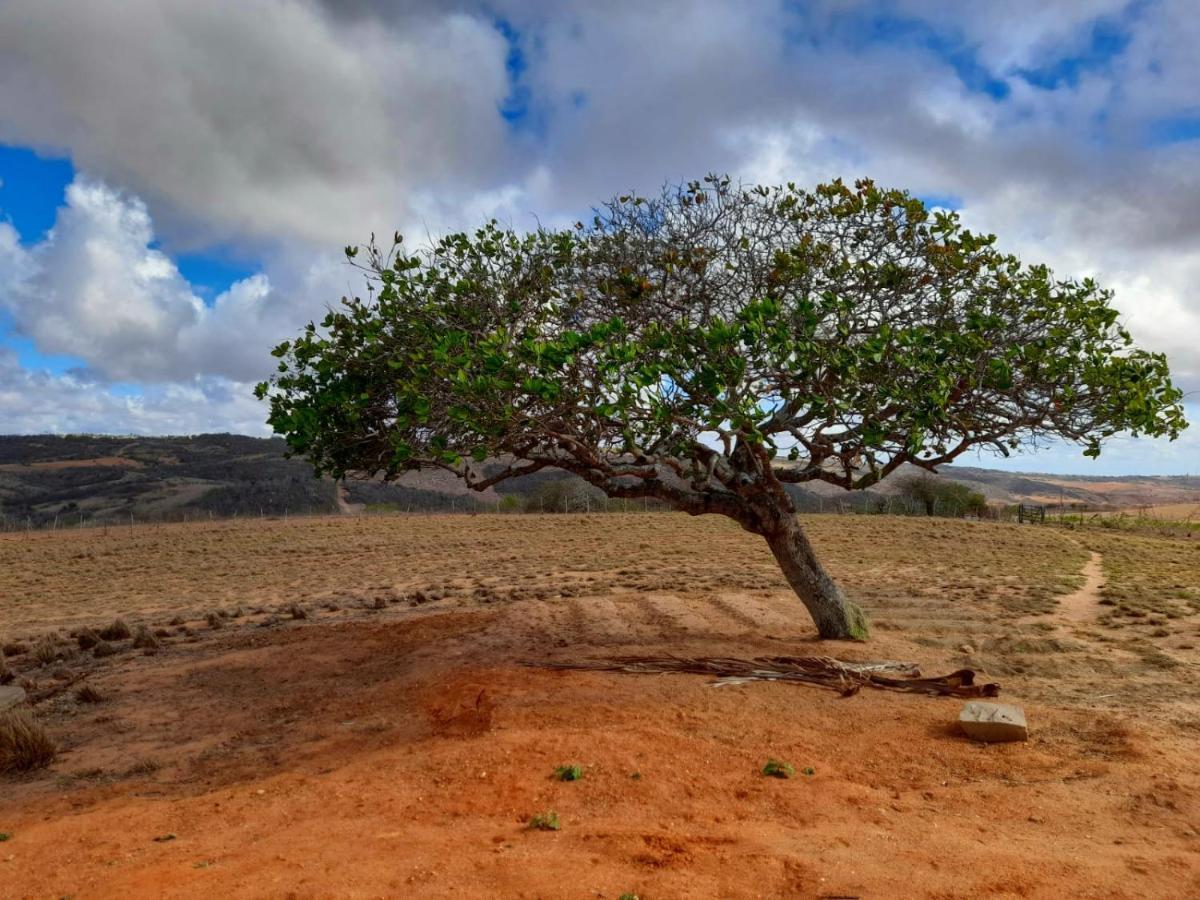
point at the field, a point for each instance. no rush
(339, 708)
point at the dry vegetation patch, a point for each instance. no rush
(24, 743)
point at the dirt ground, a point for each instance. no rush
(392, 744)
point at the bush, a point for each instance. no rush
(87, 639)
(940, 496)
(24, 744)
(103, 649)
(568, 773)
(547, 821)
(45, 651)
(89, 694)
(144, 639)
(117, 631)
(6, 673)
(776, 769)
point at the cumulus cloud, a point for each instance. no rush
(272, 119)
(96, 289)
(43, 403)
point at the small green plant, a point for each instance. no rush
(636, 776)
(776, 769)
(4, 836)
(629, 897)
(808, 770)
(568, 773)
(547, 821)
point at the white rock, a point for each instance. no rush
(992, 722)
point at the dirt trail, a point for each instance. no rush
(1083, 606)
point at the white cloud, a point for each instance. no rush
(96, 289)
(41, 402)
(272, 120)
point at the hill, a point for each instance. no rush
(86, 478)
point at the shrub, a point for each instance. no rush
(144, 639)
(87, 639)
(214, 621)
(117, 631)
(103, 649)
(89, 694)
(547, 821)
(296, 611)
(568, 773)
(24, 744)
(776, 769)
(45, 651)
(13, 648)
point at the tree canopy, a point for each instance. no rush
(832, 334)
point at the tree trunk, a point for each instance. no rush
(834, 615)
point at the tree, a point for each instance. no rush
(710, 346)
(953, 496)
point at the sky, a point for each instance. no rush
(178, 177)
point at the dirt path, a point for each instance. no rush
(1083, 606)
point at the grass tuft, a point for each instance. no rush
(568, 773)
(89, 694)
(117, 631)
(144, 639)
(87, 639)
(24, 744)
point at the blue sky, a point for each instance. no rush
(174, 201)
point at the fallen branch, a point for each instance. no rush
(844, 677)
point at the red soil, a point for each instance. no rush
(402, 756)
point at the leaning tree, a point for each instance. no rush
(709, 348)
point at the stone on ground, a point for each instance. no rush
(11, 695)
(993, 722)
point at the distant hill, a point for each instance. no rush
(91, 478)
(85, 478)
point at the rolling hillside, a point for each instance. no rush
(83, 478)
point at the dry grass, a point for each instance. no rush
(80, 577)
(24, 744)
(1151, 582)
